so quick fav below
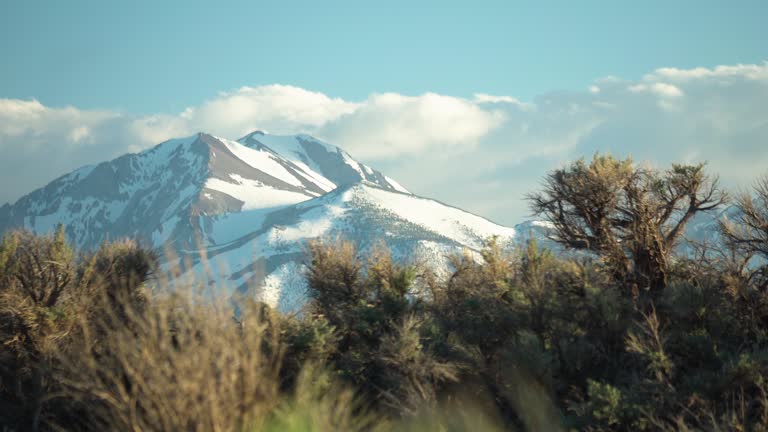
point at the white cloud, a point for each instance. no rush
(750, 71)
(660, 89)
(484, 98)
(79, 134)
(154, 129)
(437, 145)
(35, 121)
(275, 108)
(391, 125)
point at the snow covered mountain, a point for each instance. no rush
(153, 195)
(241, 211)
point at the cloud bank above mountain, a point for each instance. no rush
(481, 153)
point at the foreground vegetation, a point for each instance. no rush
(626, 336)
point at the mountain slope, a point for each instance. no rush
(134, 195)
(261, 252)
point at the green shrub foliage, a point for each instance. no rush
(511, 340)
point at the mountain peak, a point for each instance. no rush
(316, 155)
(153, 193)
(255, 133)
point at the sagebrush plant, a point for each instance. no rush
(631, 216)
(382, 343)
(178, 365)
(38, 306)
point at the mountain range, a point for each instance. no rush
(237, 214)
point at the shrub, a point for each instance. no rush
(521, 340)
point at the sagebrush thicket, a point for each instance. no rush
(633, 333)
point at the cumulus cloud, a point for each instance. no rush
(481, 153)
(274, 108)
(484, 98)
(660, 89)
(750, 71)
(391, 125)
(38, 123)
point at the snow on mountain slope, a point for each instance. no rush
(261, 253)
(132, 195)
(156, 195)
(312, 154)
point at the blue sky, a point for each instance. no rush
(156, 56)
(470, 103)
